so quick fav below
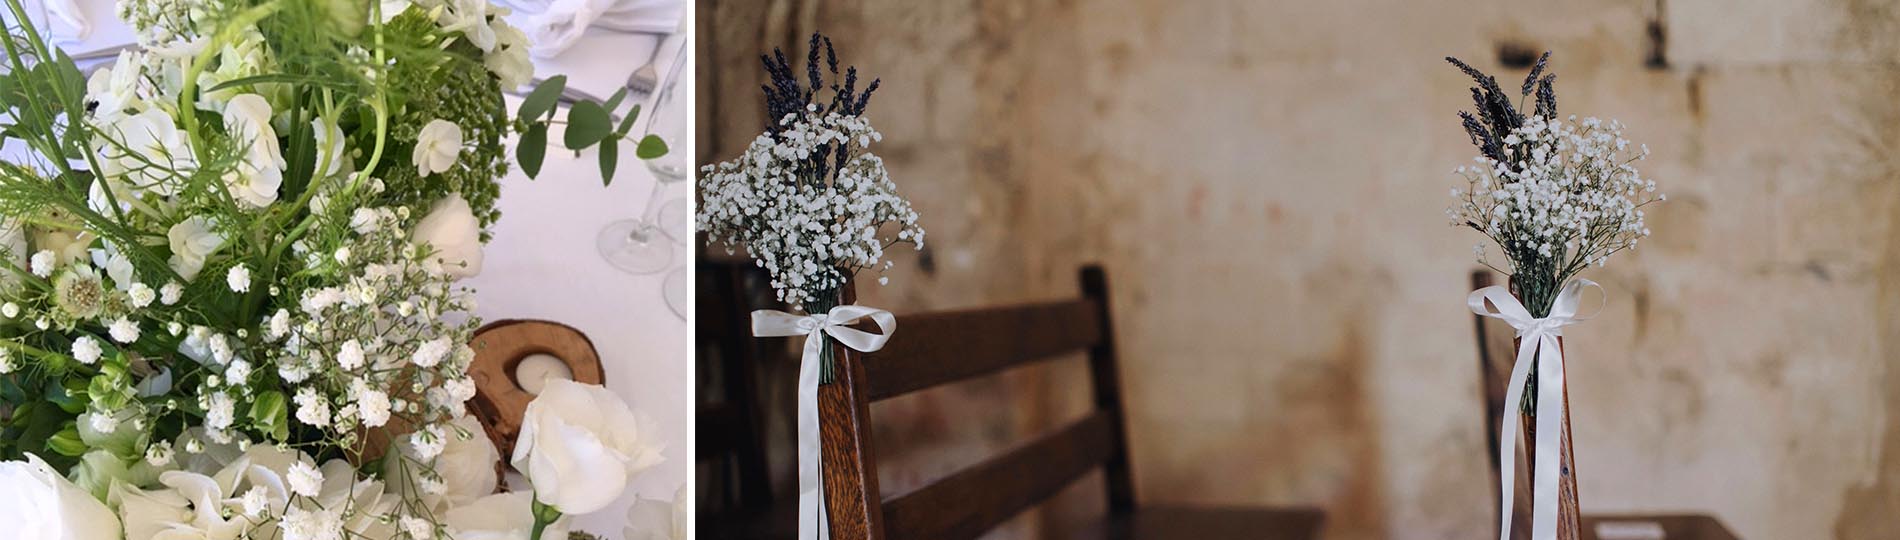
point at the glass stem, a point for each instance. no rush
(643, 232)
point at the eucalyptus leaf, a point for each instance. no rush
(614, 102)
(626, 124)
(609, 158)
(651, 146)
(532, 149)
(542, 99)
(587, 125)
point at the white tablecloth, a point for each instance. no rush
(543, 264)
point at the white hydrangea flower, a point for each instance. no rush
(86, 350)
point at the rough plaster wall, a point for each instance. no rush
(1265, 182)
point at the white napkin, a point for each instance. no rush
(554, 25)
(72, 25)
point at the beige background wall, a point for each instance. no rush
(1265, 182)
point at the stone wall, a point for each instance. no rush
(1265, 182)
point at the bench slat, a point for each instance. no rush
(945, 347)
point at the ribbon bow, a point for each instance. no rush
(812, 522)
(1537, 341)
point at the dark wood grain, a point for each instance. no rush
(729, 419)
(974, 500)
(945, 347)
(1164, 522)
(499, 401)
(1106, 384)
(933, 349)
(849, 463)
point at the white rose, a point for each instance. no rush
(437, 147)
(580, 445)
(192, 240)
(468, 467)
(502, 516)
(509, 61)
(654, 519)
(149, 513)
(256, 178)
(37, 503)
(148, 138)
(451, 228)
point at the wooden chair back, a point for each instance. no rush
(729, 417)
(934, 349)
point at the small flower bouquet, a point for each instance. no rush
(808, 200)
(228, 280)
(1556, 197)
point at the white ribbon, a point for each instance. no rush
(1537, 340)
(812, 522)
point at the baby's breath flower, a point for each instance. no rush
(124, 330)
(140, 295)
(42, 263)
(239, 278)
(170, 293)
(86, 350)
(305, 480)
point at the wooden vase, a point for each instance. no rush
(1569, 519)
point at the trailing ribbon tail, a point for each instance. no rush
(813, 524)
(1537, 342)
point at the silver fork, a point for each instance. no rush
(642, 82)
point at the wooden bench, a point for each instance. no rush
(934, 349)
(1497, 350)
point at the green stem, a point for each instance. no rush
(544, 515)
(822, 302)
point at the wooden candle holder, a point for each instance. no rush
(500, 401)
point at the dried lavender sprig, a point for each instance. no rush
(1536, 70)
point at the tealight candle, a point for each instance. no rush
(536, 369)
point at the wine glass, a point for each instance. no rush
(646, 245)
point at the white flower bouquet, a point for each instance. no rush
(808, 200)
(228, 298)
(1556, 196)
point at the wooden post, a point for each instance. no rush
(849, 465)
(1569, 519)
